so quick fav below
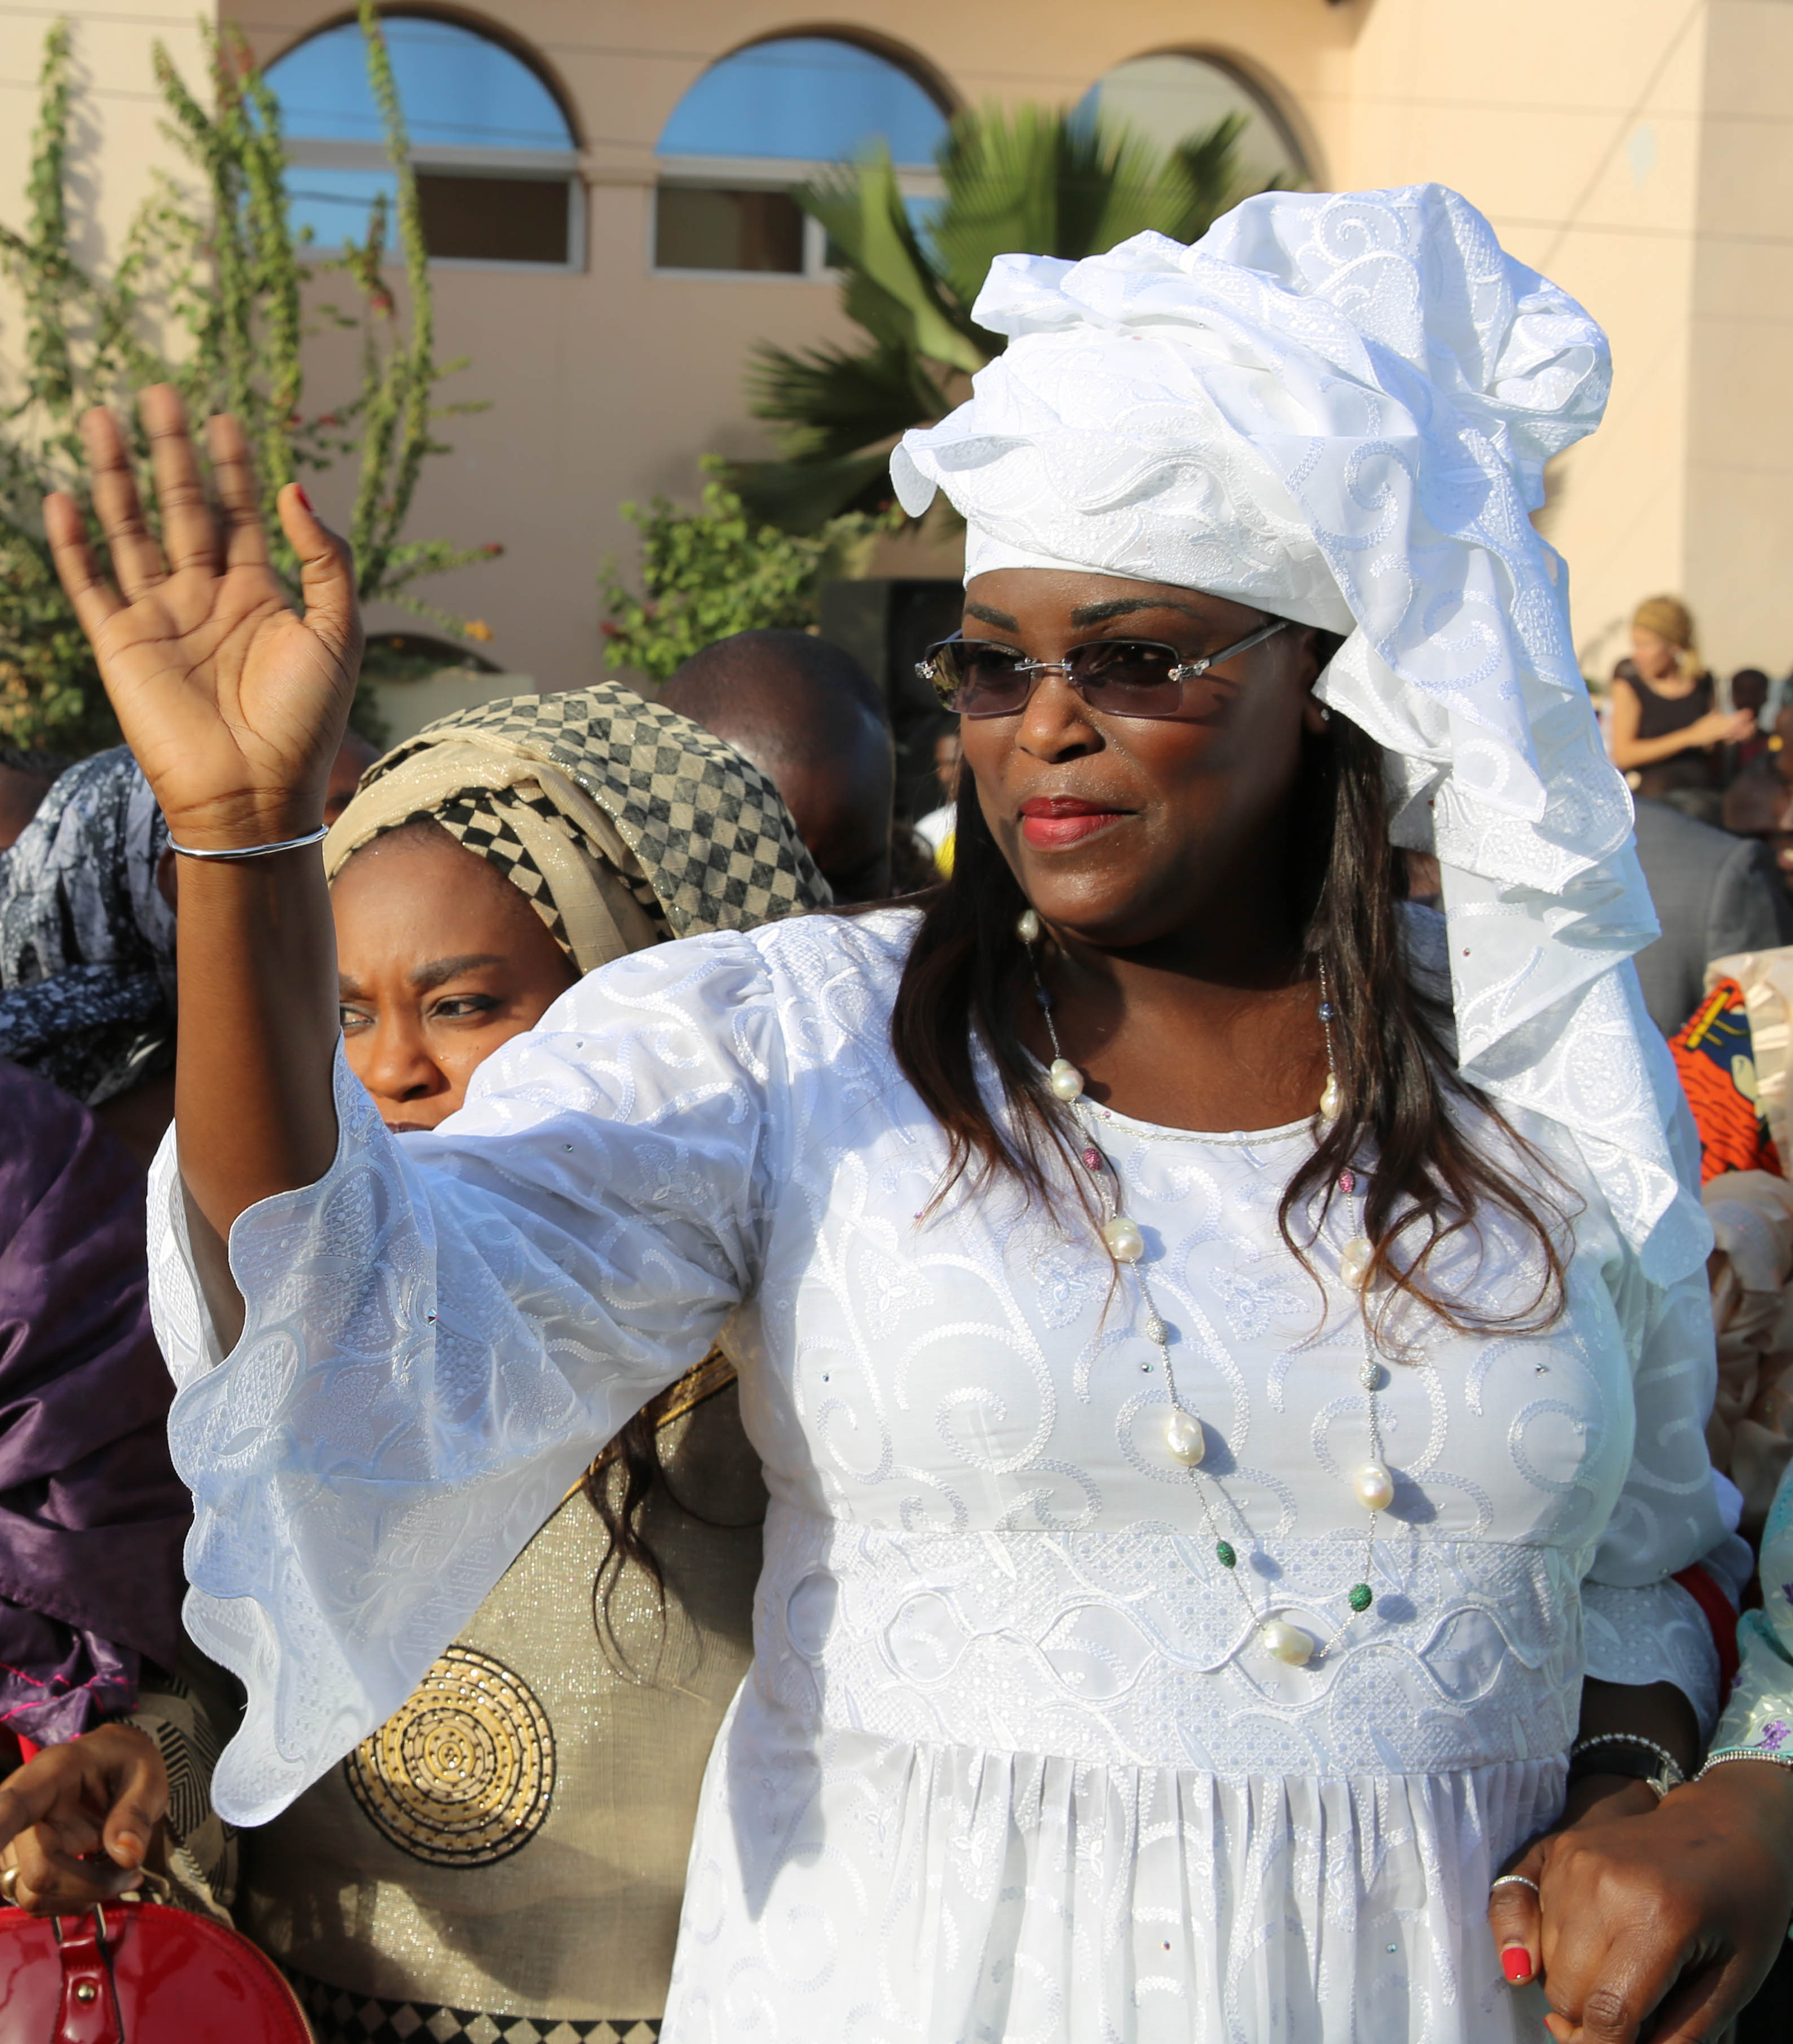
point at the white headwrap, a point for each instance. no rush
(1338, 409)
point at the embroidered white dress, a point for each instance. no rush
(1010, 1764)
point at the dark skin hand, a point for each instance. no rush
(1175, 953)
(1657, 1922)
(83, 1819)
(440, 960)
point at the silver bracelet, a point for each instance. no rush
(253, 850)
(1720, 1754)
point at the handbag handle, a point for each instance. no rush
(89, 2012)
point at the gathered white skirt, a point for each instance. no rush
(860, 1875)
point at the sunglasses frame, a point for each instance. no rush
(927, 668)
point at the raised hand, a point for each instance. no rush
(233, 704)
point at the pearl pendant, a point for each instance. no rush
(1354, 1261)
(1332, 1100)
(1126, 1244)
(1374, 1486)
(1065, 1079)
(1184, 1436)
(1284, 1642)
(1026, 926)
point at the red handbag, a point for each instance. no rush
(140, 1973)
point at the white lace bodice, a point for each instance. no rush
(978, 1555)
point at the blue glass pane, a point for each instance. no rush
(457, 90)
(806, 97)
(335, 203)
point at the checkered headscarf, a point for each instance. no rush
(621, 821)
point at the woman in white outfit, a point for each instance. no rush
(1229, 1352)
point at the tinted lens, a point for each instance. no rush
(979, 678)
(1127, 678)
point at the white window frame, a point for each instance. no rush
(538, 166)
(765, 174)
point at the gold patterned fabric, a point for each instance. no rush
(510, 1846)
(463, 1774)
(513, 1842)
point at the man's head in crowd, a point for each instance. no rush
(1749, 689)
(809, 718)
(25, 779)
(353, 756)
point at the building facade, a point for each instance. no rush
(608, 195)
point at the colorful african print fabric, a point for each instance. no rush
(86, 940)
(1715, 1057)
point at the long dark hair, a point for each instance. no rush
(967, 975)
(635, 1452)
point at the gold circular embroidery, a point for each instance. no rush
(461, 1776)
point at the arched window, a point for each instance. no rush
(1168, 97)
(766, 119)
(494, 156)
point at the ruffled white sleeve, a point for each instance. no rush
(443, 1329)
(1641, 1627)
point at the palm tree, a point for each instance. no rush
(1041, 179)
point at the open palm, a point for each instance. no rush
(233, 704)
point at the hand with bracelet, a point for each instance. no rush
(1657, 1906)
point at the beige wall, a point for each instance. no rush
(117, 142)
(1739, 457)
(1576, 127)
(609, 386)
(1636, 150)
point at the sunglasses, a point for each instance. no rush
(1118, 677)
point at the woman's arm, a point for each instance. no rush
(1629, 750)
(234, 707)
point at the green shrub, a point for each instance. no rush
(206, 294)
(709, 572)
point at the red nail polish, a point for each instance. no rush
(299, 492)
(1515, 1963)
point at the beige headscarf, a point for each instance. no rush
(623, 823)
(1670, 619)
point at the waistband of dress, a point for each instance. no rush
(1131, 1646)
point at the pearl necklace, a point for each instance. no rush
(1185, 1434)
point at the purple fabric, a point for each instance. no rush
(92, 1515)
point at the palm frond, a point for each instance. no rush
(891, 288)
(1037, 178)
(803, 496)
(831, 401)
(1203, 178)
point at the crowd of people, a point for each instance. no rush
(635, 1402)
(1714, 790)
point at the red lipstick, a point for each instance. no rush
(1050, 822)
